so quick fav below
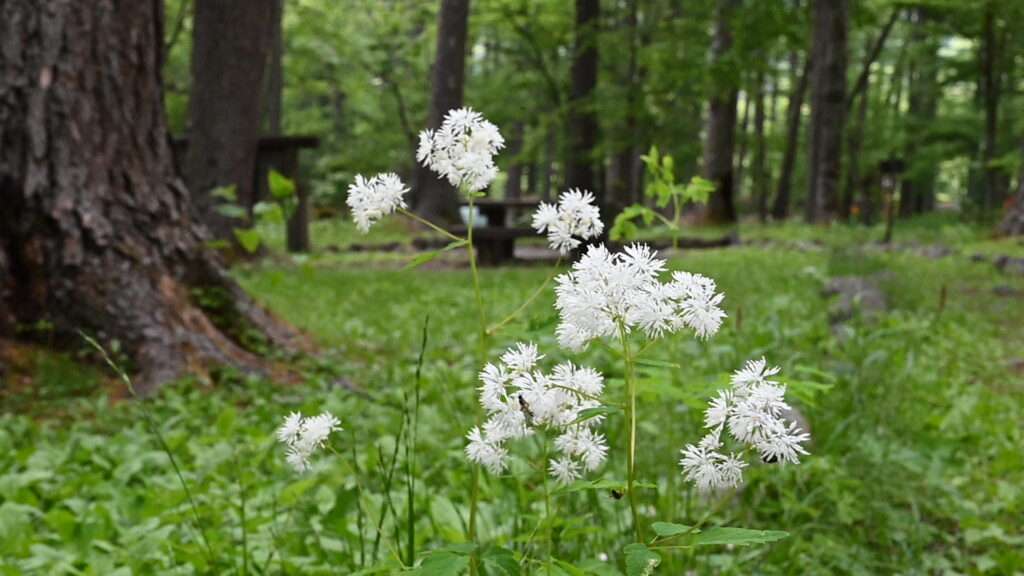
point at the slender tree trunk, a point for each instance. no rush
(760, 167)
(514, 182)
(97, 233)
(225, 106)
(995, 192)
(436, 199)
(274, 100)
(794, 114)
(855, 142)
(721, 142)
(582, 117)
(622, 191)
(828, 111)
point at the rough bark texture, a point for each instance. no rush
(230, 47)
(436, 199)
(828, 108)
(273, 104)
(582, 118)
(721, 140)
(96, 231)
(794, 114)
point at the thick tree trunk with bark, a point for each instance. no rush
(721, 141)
(828, 108)
(435, 198)
(230, 48)
(273, 104)
(794, 114)
(582, 118)
(96, 232)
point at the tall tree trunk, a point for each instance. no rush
(794, 114)
(828, 110)
(436, 199)
(855, 141)
(97, 233)
(582, 117)
(721, 142)
(917, 191)
(274, 99)
(995, 192)
(514, 182)
(622, 191)
(225, 105)
(760, 167)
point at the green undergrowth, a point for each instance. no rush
(916, 464)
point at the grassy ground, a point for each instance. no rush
(916, 463)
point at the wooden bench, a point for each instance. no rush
(279, 153)
(495, 242)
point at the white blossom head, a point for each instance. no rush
(303, 436)
(520, 399)
(752, 412)
(372, 199)
(462, 150)
(575, 216)
(605, 290)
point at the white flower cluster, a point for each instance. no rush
(752, 411)
(604, 289)
(303, 436)
(519, 398)
(372, 199)
(576, 215)
(462, 149)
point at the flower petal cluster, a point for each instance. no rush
(462, 150)
(372, 199)
(575, 216)
(604, 290)
(302, 436)
(519, 398)
(751, 410)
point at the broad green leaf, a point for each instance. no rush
(249, 238)
(443, 564)
(641, 560)
(735, 536)
(269, 212)
(281, 186)
(670, 529)
(698, 190)
(500, 561)
(231, 211)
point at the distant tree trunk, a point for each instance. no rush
(917, 192)
(794, 114)
(582, 117)
(855, 143)
(622, 188)
(760, 168)
(1013, 221)
(550, 150)
(97, 233)
(436, 199)
(828, 98)
(744, 145)
(274, 100)
(995, 192)
(514, 182)
(225, 106)
(721, 142)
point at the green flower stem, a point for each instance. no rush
(482, 349)
(496, 327)
(432, 226)
(631, 416)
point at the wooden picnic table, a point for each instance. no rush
(495, 242)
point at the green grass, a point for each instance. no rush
(916, 464)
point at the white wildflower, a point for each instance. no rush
(462, 150)
(303, 436)
(605, 290)
(519, 399)
(372, 199)
(576, 216)
(753, 413)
